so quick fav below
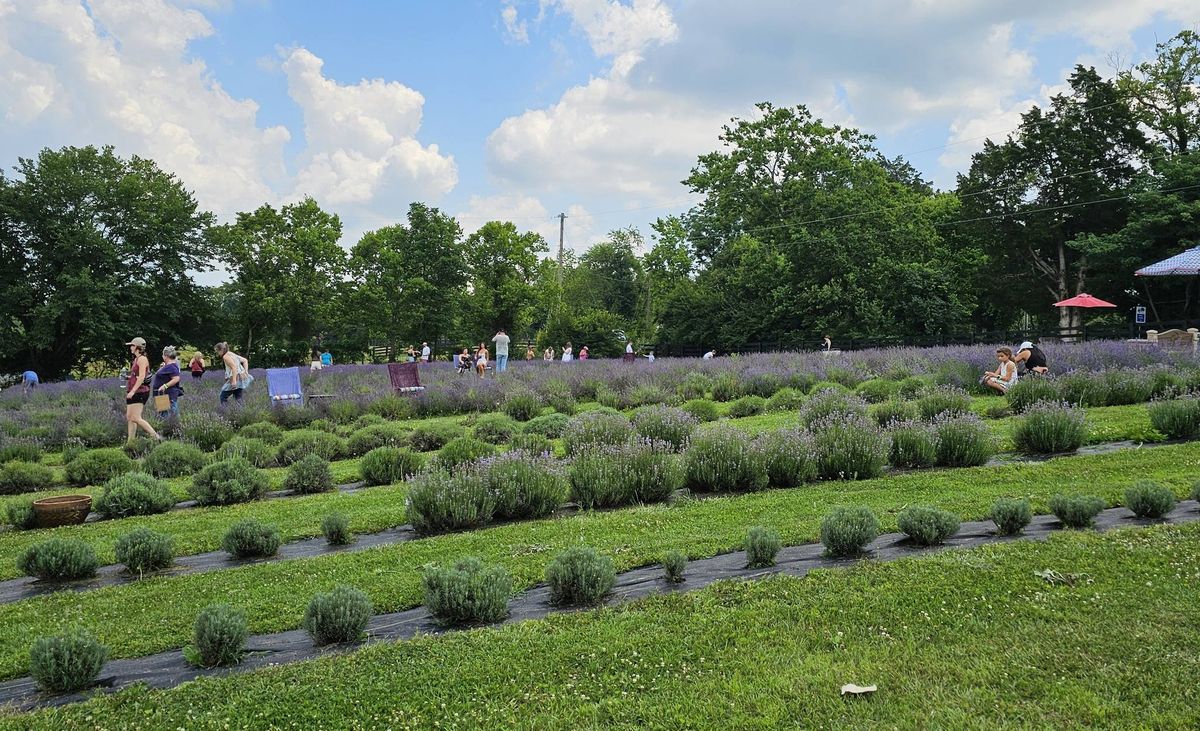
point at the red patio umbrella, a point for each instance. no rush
(1084, 300)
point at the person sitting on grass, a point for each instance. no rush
(465, 361)
(1005, 375)
(1033, 359)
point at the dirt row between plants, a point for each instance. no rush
(27, 587)
(169, 669)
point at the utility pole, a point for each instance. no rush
(562, 224)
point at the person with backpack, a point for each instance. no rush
(196, 366)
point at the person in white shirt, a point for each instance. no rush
(650, 356)
(629, 347)
(710, 355)
(501, 340)
(424, 352)
(566, 353)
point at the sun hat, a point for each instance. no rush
(140, 342)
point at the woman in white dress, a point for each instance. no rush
(566, 353)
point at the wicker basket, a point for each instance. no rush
(52, 512)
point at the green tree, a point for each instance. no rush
(1047, 203)
(285, 264)
(1165, 92)
(502, 263)
(95, 249)
(410, 279)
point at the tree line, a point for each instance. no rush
(803, 227)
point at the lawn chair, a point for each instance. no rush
(283, 384)
(405, 378)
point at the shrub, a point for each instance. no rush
(95, 433)
(1148, 499)
(747, 406)
(844, 377)
(610, 397)
(674, 565)
(300, 443)
(97, 466)
(72, 449)
(20, 450)
(251, 539)
(724, 458)
(849, 448)
(550, 426)
(389, 465)
(1029, 391)
(561, 401)
(142, 551)
(1076, 511)
(964, 441)
(294, 417)
(532, 443)
(762, 385)
(522, 405)
(135, 493)
(311, 474)
(1165, 383)
(580, 576)
(1011, 515)
(1083, 389)
(218, 637)
(910, 388)
(893, 411)
(438, 501)
(648, 394)
(255, 451)
(1195, 491)
(343, 411)
(625, 474)
(725, 387)
(174, 459)
(375, 436)
(847, 531)
(338, 616)
(139, 447)
(262, 430)
(693, 386)
(914, 445)
(462, 451)
(956, 374)
(467, 592)
(762, 545)
(593, 429)
(59, 559)
(946, 401)
(66, 663)
(525, 486)
(19, 477)
(877, 390)
(927, 526)
(430, 437)
(336, 529)
(702, 409)
(495, 428)
(827, 402)
(665, 424)
(1127, 387)
(788, 457)
(785, 399)
(1049, 428)
(228, 482)
(391, 406)
(1177, 418)
(20, 515)
(205, 430)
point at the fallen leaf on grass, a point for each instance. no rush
(852, 689)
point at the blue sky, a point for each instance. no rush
(519, 109)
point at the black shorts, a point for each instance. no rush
(139, 397)
(197, 374)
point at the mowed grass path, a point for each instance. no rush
(968, 639)
(157, 614)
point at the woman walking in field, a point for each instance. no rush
(237, 373)
(137, 391)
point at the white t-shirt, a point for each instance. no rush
(501, 342)
(709, 355)
(628, 347)
(566, 356)
(424, 352)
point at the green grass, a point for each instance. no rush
(960, 640)
(276, 594)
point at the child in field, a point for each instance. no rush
(1005, 375)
